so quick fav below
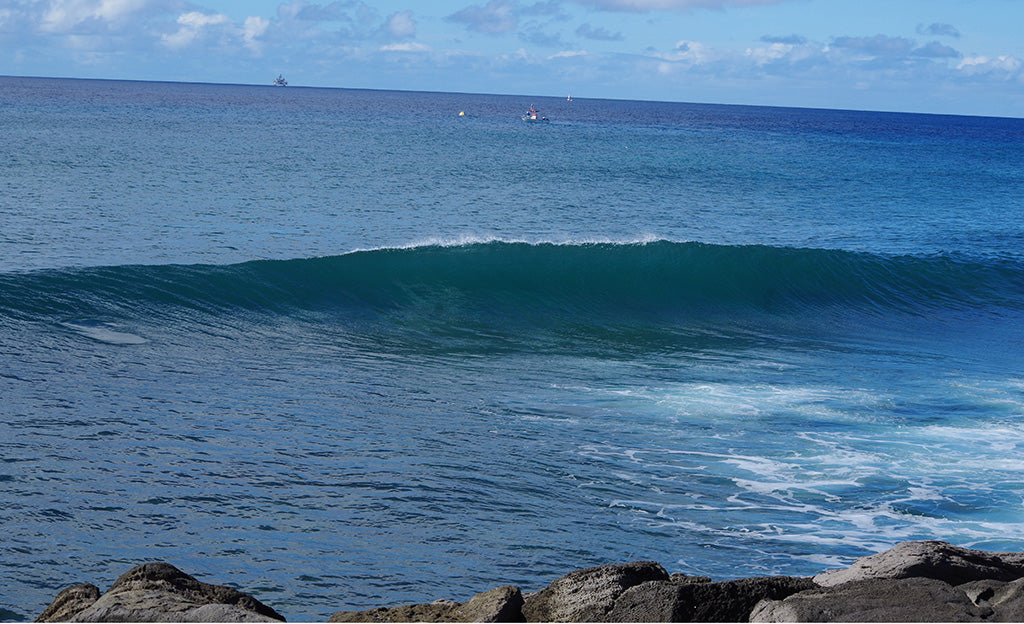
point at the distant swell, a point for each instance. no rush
(505, 283)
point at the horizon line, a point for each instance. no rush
(596, 99)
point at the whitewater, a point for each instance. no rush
(349, 348)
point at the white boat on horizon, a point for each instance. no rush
(280, 81)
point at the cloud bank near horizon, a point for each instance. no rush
(500, 46)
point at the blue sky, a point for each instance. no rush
(942, 56)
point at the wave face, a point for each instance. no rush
(511, 287)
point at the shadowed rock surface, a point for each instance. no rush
(1005, 599)
(504, 604)
(588, 595)
(157, 592)
(70, 602)
(725, 601)
(875, 600)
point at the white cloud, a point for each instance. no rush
(692, 53)
(402, 25)
(520, 55)
(409, 46)
(768, 54)
(786, 52)
(253, 29)
(193, 24)
(62, 16)
(567, 54)
(1007, 64)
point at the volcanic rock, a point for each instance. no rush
(875, 600)
(725, 601)
(588, 595)
(157, 592)
(70, 602)
(503, 604)
(929, 559)
(1005, 599)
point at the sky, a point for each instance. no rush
(930, 56)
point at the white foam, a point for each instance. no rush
(464, 240)
(104, 332)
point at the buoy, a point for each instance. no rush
(462, 113)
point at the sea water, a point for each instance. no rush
(343, 349)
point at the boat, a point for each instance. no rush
(280, 81)
(569, 99)
(533, 115)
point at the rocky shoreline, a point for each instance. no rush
(926, 581)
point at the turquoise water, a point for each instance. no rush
(348, 348)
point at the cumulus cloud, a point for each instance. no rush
(770, 53)
(402, 25)
(252, 30)
(690, 53)
(65, 16)
(196, 26)
(1007, 65)
(192, 26)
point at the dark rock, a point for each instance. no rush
(588, 595)
(159, 592)
(69, 602)
(929, 559)
(504, 604)
(681, 578)
(725, 601)
(406, 613)
(1005, 599)
(875, 600)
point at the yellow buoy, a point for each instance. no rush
(462, 113)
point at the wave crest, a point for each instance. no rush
(501, 283)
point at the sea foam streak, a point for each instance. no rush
(104, 332)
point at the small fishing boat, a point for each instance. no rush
(280, 81)
(533, 115)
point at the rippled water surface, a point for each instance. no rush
(342, 349)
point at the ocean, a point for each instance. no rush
(343, 348)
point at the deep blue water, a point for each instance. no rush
(346, 348)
